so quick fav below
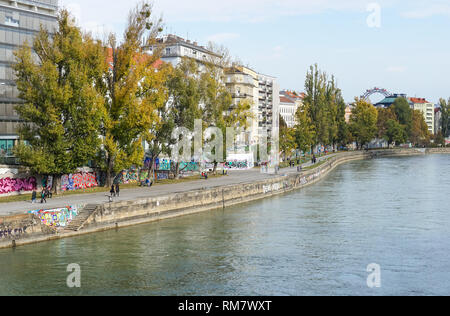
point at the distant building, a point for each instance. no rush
(388, 101)
(427, 109)
(437, 120)
(290, 102)
(243, 84)
(269, 106)
(174, 48)
(348, 113)
(20, 21)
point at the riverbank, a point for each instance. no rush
(17, 230)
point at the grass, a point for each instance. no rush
(129, 186)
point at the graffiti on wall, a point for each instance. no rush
(78, 181)
(189, 166)
(58, 217)
(12, 233)
(8, 185)
(127, 176)
(236, 165)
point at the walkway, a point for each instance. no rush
(234, 177)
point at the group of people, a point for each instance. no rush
(205, 175)
(45, 194)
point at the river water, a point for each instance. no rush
(393, 212)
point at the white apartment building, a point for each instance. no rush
(427, 109)
(290, 102)
(174, 48)
(269, 107)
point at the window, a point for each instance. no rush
(10, 21)
(6, 147)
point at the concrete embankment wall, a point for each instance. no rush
(26, 229)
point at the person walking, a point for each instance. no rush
(33, 197)
(113, 191)
(117, 189)
(43, 197)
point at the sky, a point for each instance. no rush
(399, 45)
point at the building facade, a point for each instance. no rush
(437, 120)
(290, 102)
(427, 109)
(243, 84)
(175, 48)
(20, 20)
(269, 107)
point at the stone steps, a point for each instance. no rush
(81, 218)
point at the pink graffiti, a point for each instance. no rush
(8, 185)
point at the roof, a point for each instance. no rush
(293, 95)
(158, 63)
(418, 100)
(286, 100)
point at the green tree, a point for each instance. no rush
(304, 131)
(61, 109)
(325, 106)
(403, 112)
(385, 115)
(395, 132)
(185, 90)
(287, 138)
(363, 122)
(445, 115)
(129, 112)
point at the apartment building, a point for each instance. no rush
(290, 102)
(243, 84)
(427, 109)
(20, 20)
(269, 106)
(174, 48)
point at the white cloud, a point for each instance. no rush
(223, 37)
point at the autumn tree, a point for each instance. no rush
(363, 122)
(62, 110)
(419, 134)
(384, 116)
(130, 111)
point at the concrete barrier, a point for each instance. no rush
(121, 214)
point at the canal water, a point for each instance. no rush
(393, 212)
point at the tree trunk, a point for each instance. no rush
(109, 171)
(56, 185)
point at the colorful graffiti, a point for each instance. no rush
(8, 185)
(189, 166)
(163, 165)
(78, 181)
(237, 165)
(57, 218)
(127, 176)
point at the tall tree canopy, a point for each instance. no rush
(62, 110)
(363, 122)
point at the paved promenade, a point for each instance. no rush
(234, 177)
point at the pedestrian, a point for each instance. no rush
(117, 190)
(33, 197)
(113, 191)
(43, 198)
